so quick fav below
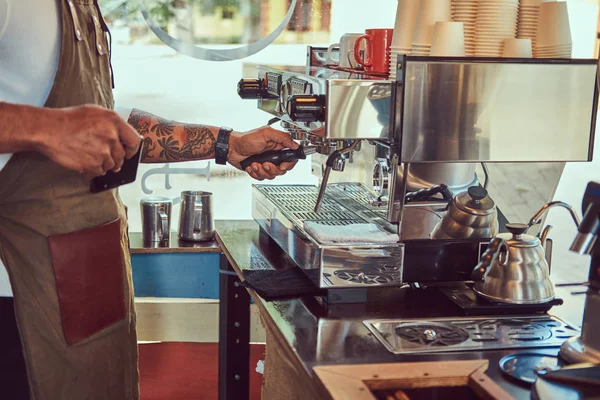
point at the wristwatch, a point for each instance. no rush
(222, 146)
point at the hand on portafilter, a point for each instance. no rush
(258, 141)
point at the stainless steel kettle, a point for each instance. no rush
(514, 269)
(470, 214)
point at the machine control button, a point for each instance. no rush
(306, 108)
(251, 89)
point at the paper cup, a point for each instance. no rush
(406, 19)
(430, 12)
(553, 26)
(517, 48)
(448, 39)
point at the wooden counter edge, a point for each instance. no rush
(357, 381)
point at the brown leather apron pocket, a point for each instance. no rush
(88, 266)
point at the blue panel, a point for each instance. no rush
(183, 275)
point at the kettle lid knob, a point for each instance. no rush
(517, 229)
(477, 193)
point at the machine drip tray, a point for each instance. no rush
(410, 336)
(471, 304)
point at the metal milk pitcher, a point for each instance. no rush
(196, 217)
(156, 218)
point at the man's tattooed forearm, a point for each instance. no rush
(140, 121)
(170, 149)
(148, 146)
(169, 141)
(163, 127)
(200, 142)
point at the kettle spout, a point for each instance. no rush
(489, 256)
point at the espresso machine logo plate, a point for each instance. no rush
(299, 86)
(292, 87)
(274, 82)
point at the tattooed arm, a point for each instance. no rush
(169, 141)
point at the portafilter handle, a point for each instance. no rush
(329, 164)
(488, 258)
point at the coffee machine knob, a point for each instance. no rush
(251, 89)
(306, 108)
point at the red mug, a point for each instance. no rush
(377, 50)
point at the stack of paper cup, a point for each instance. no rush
(448, 39)
(496, 21)
(465, 11)
(553, 36)
(517, 48)
(404, 29)
(529, 11)
(430, 12)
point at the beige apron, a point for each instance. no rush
(66, 250)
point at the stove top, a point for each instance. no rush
(470, 334)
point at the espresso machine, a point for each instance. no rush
(586, 347)
(443, 157)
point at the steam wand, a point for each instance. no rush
(335, 159)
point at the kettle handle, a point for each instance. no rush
(429, 192)
(488, 257)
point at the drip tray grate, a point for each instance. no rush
(343, 204)
(277, 189)
(325, 216)
(338, 222)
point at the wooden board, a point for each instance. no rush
(186, 320)
(359, 381)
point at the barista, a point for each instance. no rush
(66, 250)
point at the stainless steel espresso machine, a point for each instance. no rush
(586, 347)
(443, 157)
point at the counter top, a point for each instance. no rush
(317, 336)
(174, 245)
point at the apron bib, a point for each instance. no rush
(66, 250)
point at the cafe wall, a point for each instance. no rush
(151, 76)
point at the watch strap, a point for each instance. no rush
(222, 146)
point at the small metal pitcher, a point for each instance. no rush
(156, 218)
(196, 217)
